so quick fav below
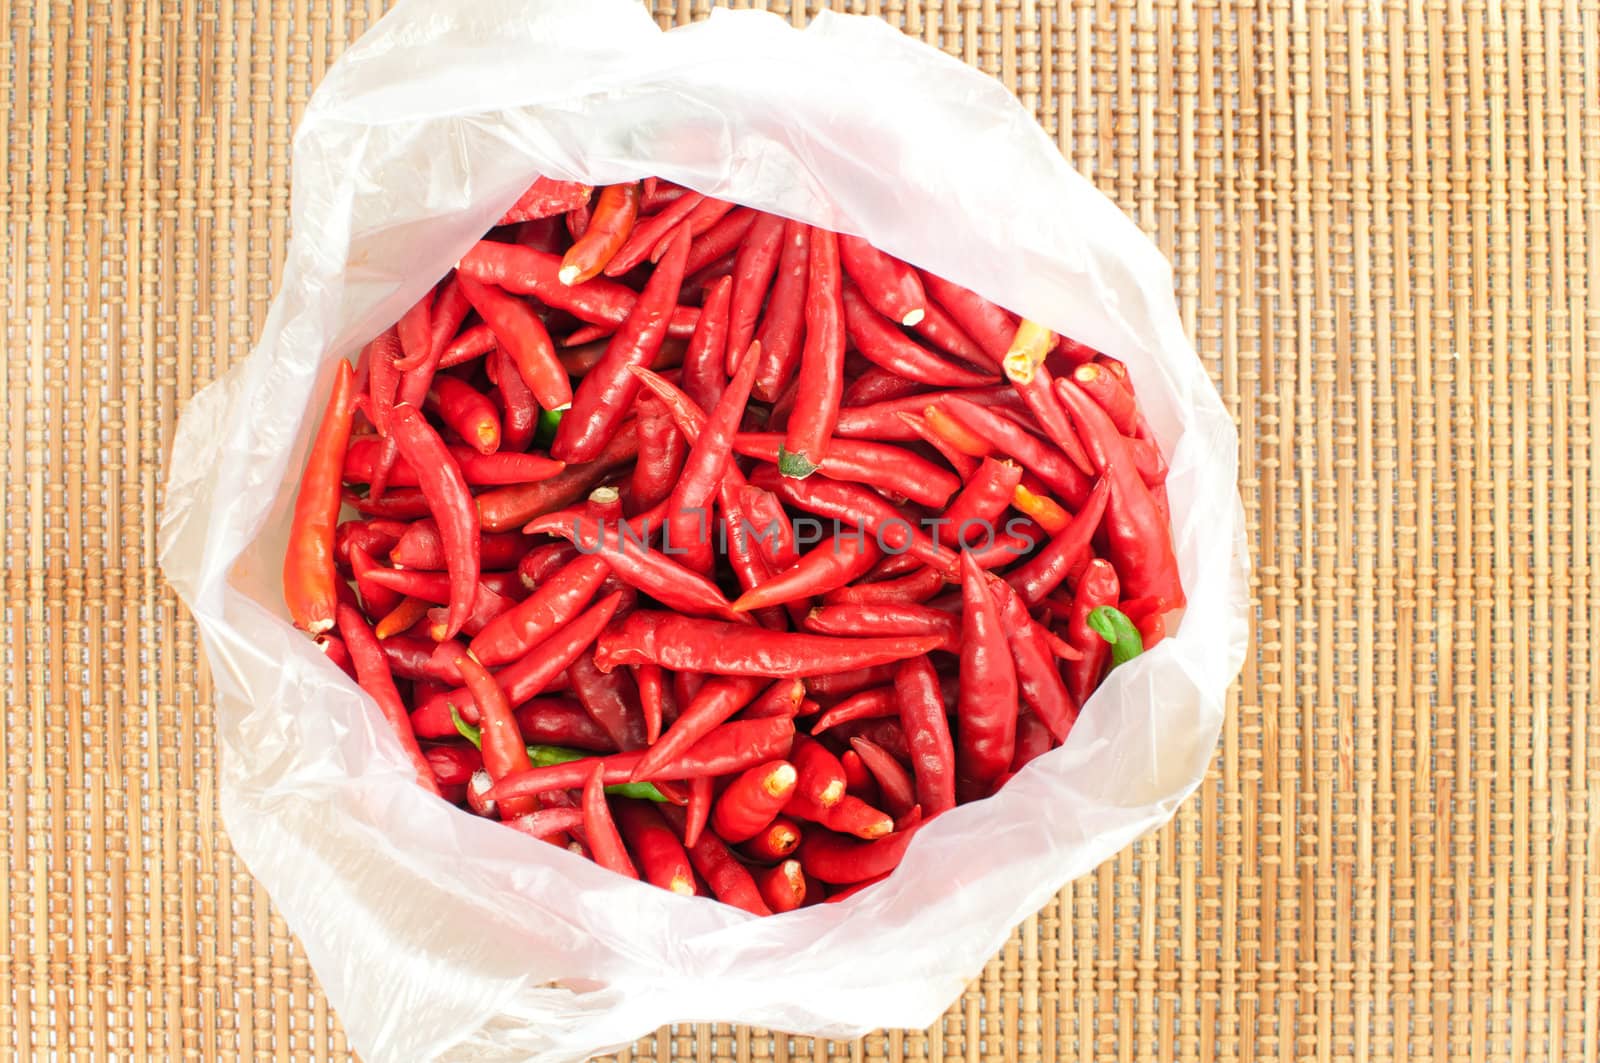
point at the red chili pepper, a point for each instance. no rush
(1046, 570)
(753, 800)
(519, 332)
(466, 411)
(647, 232)
(851, 681)
(522, 679)
(1007, 437)
(770, 527)
(820, 782)
(1033, 741)
(453, 767)
(333, 648)
(638, 566)
(1041, 400)
(782, 698)
(1097, 586)
(714, 253)
(893, 470)
(752, 278)
(479, 470)
(977, 510)
(610, 224)
(403, 617)
(412, 658)
(710, 456)
(882, 420)
(821, 379)
(1138, 537)
(486, 606)
(988, 708)
(399, 505)
(749, 567)
(705, 215)
(857, 506)
(987, 324)
(612, 700)
(713, 704)
(1109, 394)
(660, 854)
(511, 507)
(434, 587)
(377, 599)
(919, 586)
(542, 562)
(530, 272)
(696, 286)
(519, 409)
(504, 750)
(648, 678)
(894, 782)
(600, 830)
(372, 672)
(1152, 468)
(891, 287)
(423, 547)
(383, 356)
(783, 325)
(867, 705)
(838, 859)
(730, 748)
(682, 642)
(727, 877)
(658, 193)
(685, 685)
(607, 392)
(475, 342)
(876, 384)
(840, 561)
(774, 841)
(1038, 677)
(698, 812)
(662, 450)
(703, 377)
(546, 197)
(1009, 545)
(884, 732)
(886, 618)
(858, 780)
(783, 886)
(548, 824)
(941, 330)
(450, 309)
(560, 722)
(922, 717)
(309, 572)
(882, 343)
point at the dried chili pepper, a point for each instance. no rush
(309, 571)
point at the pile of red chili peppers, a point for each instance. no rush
(722, 549)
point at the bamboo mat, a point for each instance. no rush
(1386, 224)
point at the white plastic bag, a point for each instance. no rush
(437, 934)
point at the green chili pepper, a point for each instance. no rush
(1114, 626)
(545, 430)
(544, 756)
(466, 730)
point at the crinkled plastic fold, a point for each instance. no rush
(436, 934)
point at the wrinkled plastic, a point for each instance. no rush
(437, 934)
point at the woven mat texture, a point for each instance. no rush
(1385, 218)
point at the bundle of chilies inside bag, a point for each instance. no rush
(722, 549)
